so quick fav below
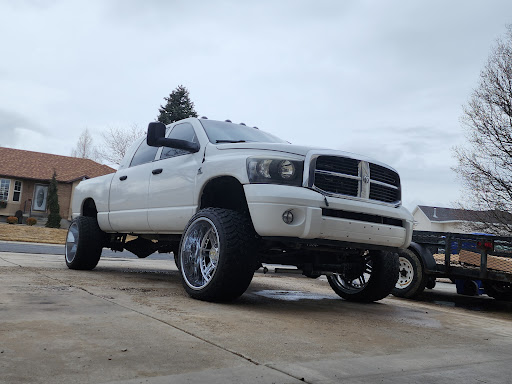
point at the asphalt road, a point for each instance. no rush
(130, 321)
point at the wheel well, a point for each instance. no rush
(224, 192)
(89, 208)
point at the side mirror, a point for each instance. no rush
(156, 138)
(156, 131)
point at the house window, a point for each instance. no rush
(17, 191)
(4, 189)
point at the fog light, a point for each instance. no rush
(288, 217)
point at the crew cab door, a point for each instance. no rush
(171, 201)
(129, 192)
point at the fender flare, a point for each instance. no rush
(425, 256)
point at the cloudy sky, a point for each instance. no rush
(386, 79)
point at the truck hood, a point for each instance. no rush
(295, 149)
(275, 147)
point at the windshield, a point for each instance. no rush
(224, 132)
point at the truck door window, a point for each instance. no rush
(183, 131)
(144, 154)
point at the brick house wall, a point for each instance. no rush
(27, 194)
(64, 192)
(36, 168)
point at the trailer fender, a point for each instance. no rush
(425, 255)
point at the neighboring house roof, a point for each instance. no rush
(17, 163)
(440, 214)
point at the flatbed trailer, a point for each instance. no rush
(476, 262)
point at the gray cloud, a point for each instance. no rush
(386, 79)
(11, 124)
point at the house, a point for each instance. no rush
(25, 177)
(439, 219)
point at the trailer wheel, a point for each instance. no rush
(431, 283)
(216, 257)
(372, 280)
(498, 290)
(411, 279)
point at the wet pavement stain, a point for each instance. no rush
(293, 295)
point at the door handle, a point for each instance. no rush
(122, 178)
(156, 171)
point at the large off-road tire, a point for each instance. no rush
(498, 290)
(377, 278)
(84, 243)
(176, 260)
(216, 257)
(411, 278)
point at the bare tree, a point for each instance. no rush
(485, 164)
(116, 141)
(84, 147)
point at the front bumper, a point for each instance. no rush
(268, 202)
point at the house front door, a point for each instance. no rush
(40, 197)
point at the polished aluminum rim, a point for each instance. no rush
(354, 285)
(200, 253)
(406, 274)
(72, 242)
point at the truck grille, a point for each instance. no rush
(336, 184)
(338, 164)
(351, 177)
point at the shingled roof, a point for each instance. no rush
(440, 214)
(20, 164)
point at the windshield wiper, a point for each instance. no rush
(229, 141)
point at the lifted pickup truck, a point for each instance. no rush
(225, 198)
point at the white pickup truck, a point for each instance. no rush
(226, 198)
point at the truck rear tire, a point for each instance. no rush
(411, 279)
(84, 243)
(375, 282)
(216, 255)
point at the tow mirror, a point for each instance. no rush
(156, 131)
(156, 138)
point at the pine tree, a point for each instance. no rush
(53, 204)
(178, 106)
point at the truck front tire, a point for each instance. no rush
(411, 278)
(84, 243)
(375, 281)
(216, 257)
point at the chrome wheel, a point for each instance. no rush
(216, 256)
(406, 274)
(72, 242)
(354, 281)
(200, 253)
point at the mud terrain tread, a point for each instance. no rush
(382, 281)
(237, 260)
(90, 244)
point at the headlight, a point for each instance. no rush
(275, 171)
(286, 170)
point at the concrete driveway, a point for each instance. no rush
(130, 321)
